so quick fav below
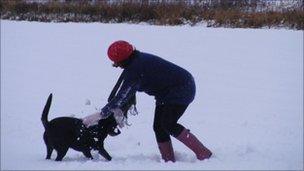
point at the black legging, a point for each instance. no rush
(165, 121)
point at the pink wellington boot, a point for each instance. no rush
(194, 144)
(166, 151)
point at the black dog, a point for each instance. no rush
(63, 133)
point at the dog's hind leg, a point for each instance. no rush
(49, 152)
(87, 153)
(61, 152)
(49, 148)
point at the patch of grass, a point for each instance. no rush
(230, 13)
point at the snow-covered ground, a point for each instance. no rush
(248, 108)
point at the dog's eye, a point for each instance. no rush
(116, 130)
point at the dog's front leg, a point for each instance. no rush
(88, 154)
(101, 149)
(105, 154)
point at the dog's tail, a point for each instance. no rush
(44, 117)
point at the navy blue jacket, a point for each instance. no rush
(167, 82)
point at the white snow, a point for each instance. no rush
(248, 108)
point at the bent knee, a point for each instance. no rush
(173, 129)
